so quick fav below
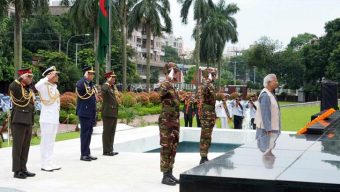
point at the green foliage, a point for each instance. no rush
(218, 28)
(128, 100)
(189, 77)
(127, 114)
(171, 55)
(154, 76)
(6, 51)
(69, 75)
(299, 41)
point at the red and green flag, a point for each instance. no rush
(103, 23)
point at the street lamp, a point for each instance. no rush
(87, 34)
(77, 44)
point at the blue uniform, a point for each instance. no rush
(86, 111)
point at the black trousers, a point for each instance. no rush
(238, 122)
(198, 120)
(86, 130)
(109, 131)
(21, 145)
(252, 123)
(188, 120)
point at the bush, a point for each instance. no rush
(127, 114)
(128, 100)
(72, 119)
(62, 116)
(154, 98)
(143, 98)
(68, 101)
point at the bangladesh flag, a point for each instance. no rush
(103, 23)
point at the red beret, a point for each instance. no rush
(24, 71)
(109, 74)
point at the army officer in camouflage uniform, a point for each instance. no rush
(169, 123)
(208, 115)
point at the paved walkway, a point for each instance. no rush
(127, 172)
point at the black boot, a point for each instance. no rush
(173, 177)
(203, 160)
(167, 179)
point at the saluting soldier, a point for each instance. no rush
(86, 111)
(109, 113)
(49, 116)
(208, 116)
(22, 120)
(169, 123)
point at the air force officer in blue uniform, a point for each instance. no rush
(86, 111)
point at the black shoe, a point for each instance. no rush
(108, 153)
(115, 153)
(93, 158)
(173, 177)
(203, 160)
(167, 179)
(20, 175)
(85, 158)
(29, 174)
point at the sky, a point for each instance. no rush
(278, 19)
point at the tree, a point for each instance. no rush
(6, 51)
(189, 76)
(219, 28)
(201, 11)
(299, 41)
(83, 16)
(171, 55)
(154, 76)
(23, 8)
(69, 72)
(124, 7)
(147, 14)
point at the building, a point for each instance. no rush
(138, 42)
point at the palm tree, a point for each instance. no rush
(201, 11)
(23, 8)
(219, 28)
(124, 8)
(147, 14)
(83, 15)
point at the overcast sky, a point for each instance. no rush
(277, 19)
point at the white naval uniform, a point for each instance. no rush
(49, 121)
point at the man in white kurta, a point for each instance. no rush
(49, 117)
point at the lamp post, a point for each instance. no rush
(77, 45)
(68, 41)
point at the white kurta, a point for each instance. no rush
(49, 121)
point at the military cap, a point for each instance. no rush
(167, 67)
(24, 71)
(110, 74)
(49, 70)
(88, 69)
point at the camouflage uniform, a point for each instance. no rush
(168, 122)
(208, 115)
(168, 125)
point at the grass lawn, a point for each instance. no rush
(60, 137)
(293, 118)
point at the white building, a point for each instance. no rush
(138, 42)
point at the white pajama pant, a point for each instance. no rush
(48, 134)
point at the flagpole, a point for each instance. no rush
(108, 61)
